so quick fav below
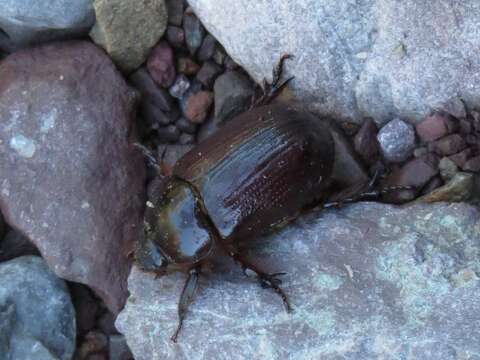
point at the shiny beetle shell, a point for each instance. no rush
(260, 169)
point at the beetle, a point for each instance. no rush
(256, 173)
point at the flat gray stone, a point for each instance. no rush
(376, 58)
(37, 318)
(28, 22)
(368, 281)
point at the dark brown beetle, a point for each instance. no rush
(257, 172)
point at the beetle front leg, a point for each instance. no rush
(271, 90)
(266, 280)
(186, 298)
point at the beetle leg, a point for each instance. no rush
(186, 298)
(271, 90)
(266, 280)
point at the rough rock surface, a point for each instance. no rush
(127, 30)
(369, 281)
(27, 22)
(396, 140)
(377, 58)
(37, 318)
(69, 178)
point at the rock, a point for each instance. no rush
(86, 307)
(455, 107)
(186, 139)
(175, 12)
(179, 87)
(417, 173)
(176, 36)
(347, 169)
(365, 142)
(3, 228)
(219, 56)
(230, 64)
(369, 281)
(397, 140)
(420, 151)
(26, 22)
(127, 30)
(42, 318)
(435, 126)
(154, 117)
(187, 66)
(472, 139)
(448, 145)
(197, 106)
(233, 95)
(472, 164)
(194, 31)
(173, 152)
(465, 126)
(118, 348)
(207, 129)
(14, 245)
(377, 59)
(447, 168)
(167, 134)
(207, 49)
(459, 188)
(161, 64)
(208, 73)
(106, 323)
(433, 184)
(186, 126)
(142, 81)
(93, 342)
(461, 158)
(70, 179)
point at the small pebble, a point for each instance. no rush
(197, 106)
(161, 64)
(461, 157)
(186, 126)
(448, 145)
(155, 117)
(142, 81)
(455, 107)
(175, 12)
(435, 126)
(219, 56)
(420, 151)
(187, 66)
(460, 188)
(366, 143)
(433, 184)
(207, 49)
(472, 164)
(465, 126)
(194, 31)
(93, 342)
(176, 36)
(230, 64)
(208, 73)
(447, 168)
(397, 140)
(186, 139)
(180, 86)
(171, 153)
(233, 95)
(168, 134)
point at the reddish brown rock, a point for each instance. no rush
(69, 178)
(366, 143)
(161, 64)
(448, 145)
(435, 126)
(197, 106)
(461, 157)
(472, 164)
(187, 66)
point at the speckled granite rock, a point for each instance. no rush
(28, 22)
(369, 281)
(69, 178)
(37, 318)
(377, 58)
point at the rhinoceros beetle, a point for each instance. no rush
(257, 172)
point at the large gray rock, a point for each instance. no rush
(37, 318)
(27, 22)
(378, 58)
(70, 180)
(369, 281)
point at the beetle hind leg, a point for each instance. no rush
(266, 280)
(186, 298)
